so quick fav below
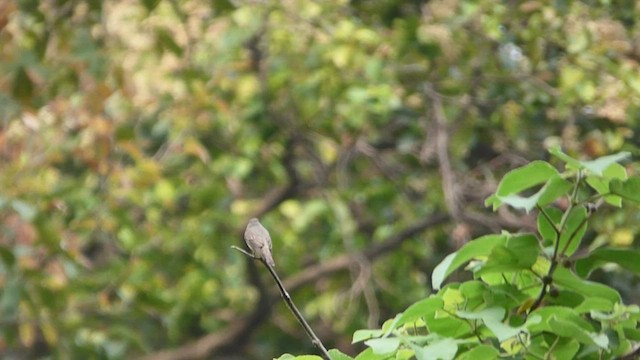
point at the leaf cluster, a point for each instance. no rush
(530, 297)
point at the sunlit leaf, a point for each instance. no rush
(420, 309)
(480, 352)
(519, 253)
(360, 335)
(444, 349)
(338, 355)
(383, 345)
(597, 166)
(475, 248)
(520, 179)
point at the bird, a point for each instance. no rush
(259, 242)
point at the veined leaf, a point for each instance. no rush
(383, 345)
(629, 189)
(444, 349)
(554, 188)
(575, 227)
(473, 249)
(571, 330)
(627, 258)
(597, 166)
(420, 309)
(565, 278)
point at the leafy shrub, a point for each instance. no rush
(529, 297)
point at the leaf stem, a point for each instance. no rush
(548, 279)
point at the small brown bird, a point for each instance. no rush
(259, 241)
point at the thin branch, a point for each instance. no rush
(573, 235)
(213, 343)
(548, 279)
(287, 299)
(546, 216)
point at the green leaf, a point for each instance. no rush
(547, 227)
(520, 202)
(368, 354)
(286, 357)
(574, 230)
(492, 318)
(555, 188)
(519, 253)
(552, 190)
(383, 345)
(615, 171)
(569, 329)
(565, 278)
(525, 246)
(443, 324)
(473, 249)
(364, 334)
(473, 291)
(419, 309)
(501, 259)
(484, 352)
(561, 312)
(629, 189)
(601, 184)
(597, 166)
(594, 304)
(571, 162)
(338, 355)
(632, 333)
(626, 258)
(501, 330)
(565, 348)
(494, 313)
(523, 178)
(444, 349)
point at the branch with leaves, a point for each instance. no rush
(524, 285)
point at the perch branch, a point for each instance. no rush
(287, 299)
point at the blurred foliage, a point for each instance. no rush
(137, 137)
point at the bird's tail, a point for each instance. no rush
(268, 258)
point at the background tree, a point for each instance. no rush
(138, 137)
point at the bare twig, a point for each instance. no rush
(287, 299)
